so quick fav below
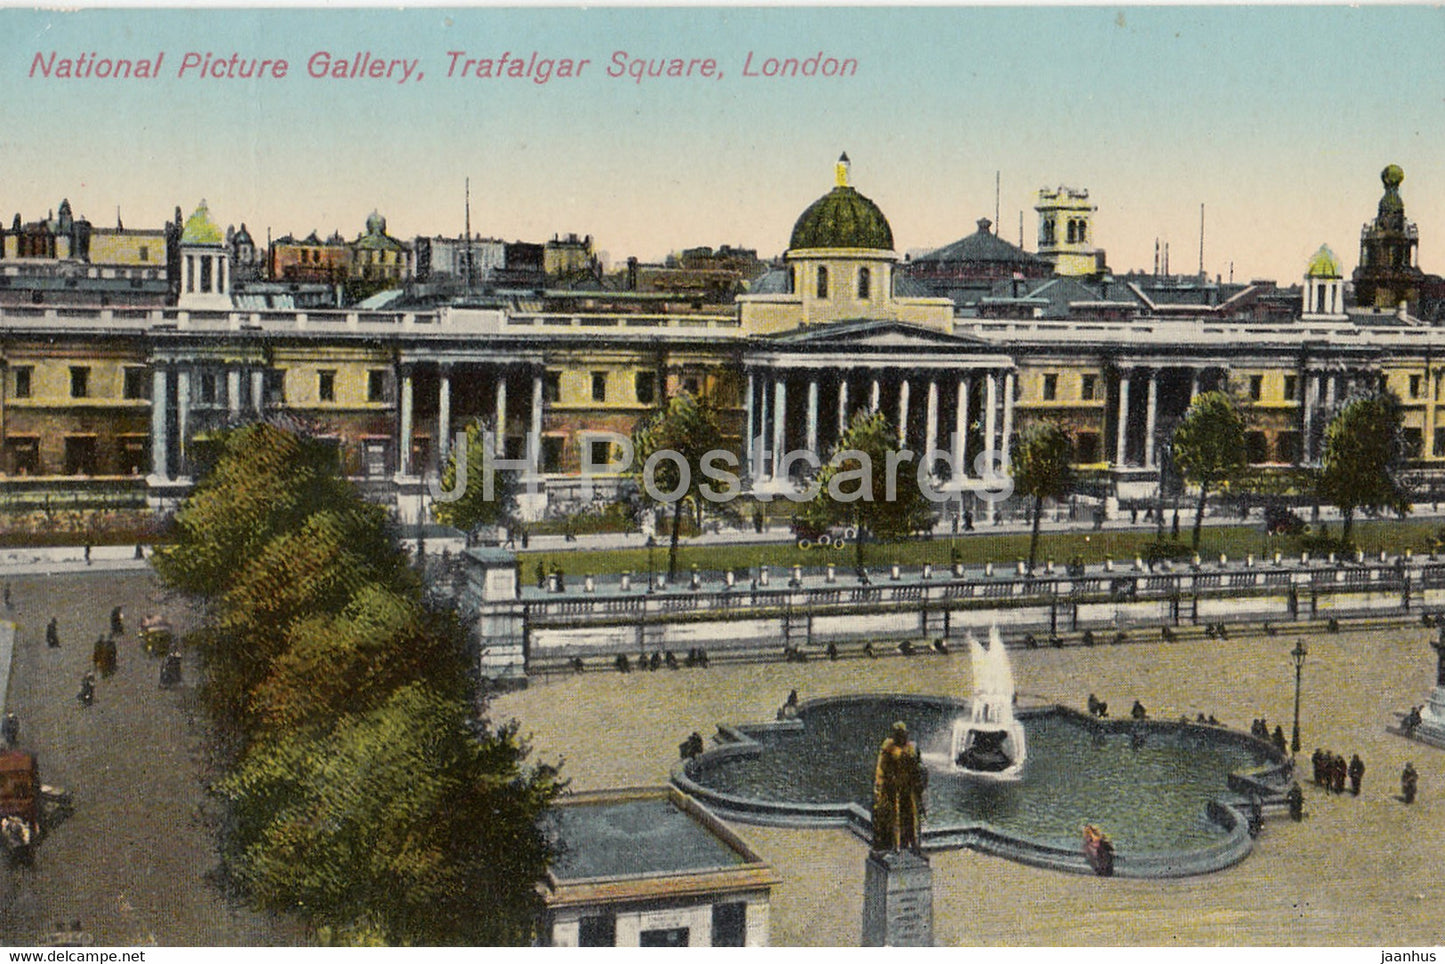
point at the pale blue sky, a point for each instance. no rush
(1279, 119)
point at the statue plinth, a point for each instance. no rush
(897, 900)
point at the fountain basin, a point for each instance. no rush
(1161, 790)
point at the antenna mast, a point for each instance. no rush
(1201, 239)
(997, 177)
(469, 234)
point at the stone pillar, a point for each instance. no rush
(1121, 451)
(444, 414)
(990, 409)
(749, 469)
(813, 414)
(1149, 418)
(534, 433)
(1193, 386)
(160, 451)
(1008, 417)
(903, 413)
(403, 455)
(764, 467)
(501, 412)
(183, 419)
(960, 427)
(842, 404)
(875, 395)
(233, 390)
(1330, 380)
(258, 390)
(930, 418)
(897, 900)
(1312, 394)
(780, 425)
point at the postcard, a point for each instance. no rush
(722, 476)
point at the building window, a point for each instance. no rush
(1286, 447)
(792, 279)
(376, 385)
(730, 924)
(822, 281)
(22, 381)
(646, 385)
(1256, 448)
(134, 386)
(1256, 387)
(599, 386)
(1086, 448)
(23, 454)
(1051, 387)
(134, 454)
(1414, 386)
(668, 937)
(1413, 441)
(1089, 388)
(79, 382)
(1291, 387)
(80, 455)
(691, 385)
(552, 387)
(600, 452)
(865, 284)
(205, 275)
(1439, 442)
(326, 386)
(208, 388)
(597, 931)
(552, 453)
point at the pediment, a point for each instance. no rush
(871, 336)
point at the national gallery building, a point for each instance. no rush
(113, 405)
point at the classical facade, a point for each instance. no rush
(113, 403)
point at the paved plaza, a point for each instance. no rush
(1360, 870)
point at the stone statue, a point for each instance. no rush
(898, 784)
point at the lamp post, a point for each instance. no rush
(1298, 653)
(651, 545)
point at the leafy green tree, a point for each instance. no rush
(1208, 447)
(853, 487)
(1042, 468)
(475, 507)
(407, 823)
(1362, 459)
(689, 428)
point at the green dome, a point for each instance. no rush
(1324, 264)
(842, 218)
(200, 229)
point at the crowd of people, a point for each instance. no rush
(1331, 771)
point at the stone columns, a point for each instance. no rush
(403, 460)
(903, 413)
(1008, 418)
(233, 390)
(1121, 451)
(183, 419)
(960, 427)
(763, 468)
(780, 425)
(501, 426)
(1150, 416)
(930, 418)
(842, 404)
(444, 414)
(258, 390)
(876, 395)
(990, 410)
(1312, 395)
(812, 440)
(1193, 385)
(749, 429)
(1330, 380)
(160, 451)
(534, 434)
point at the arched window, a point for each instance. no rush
(822, 281)
(1083, 230)
(792, 279)
(865, 281)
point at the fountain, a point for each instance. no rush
(989, 742)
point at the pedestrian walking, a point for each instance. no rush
(117, 622)
(10, 729)
(1296, 800)
(52, 633)
(1356, 773)
(87, 553)
(1409, 782)
(1279, 741)
(1341, 771)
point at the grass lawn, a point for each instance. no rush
(973, 549)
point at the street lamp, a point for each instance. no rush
(651, 545)
(1298, 653)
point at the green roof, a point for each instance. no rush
(842, 218)
(1324, 264)
(200, 229)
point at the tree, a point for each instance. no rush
(1042, 469)
(853, 486)
(674, 441)
(1208, 447)
(1362, 458)
(475, 507)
